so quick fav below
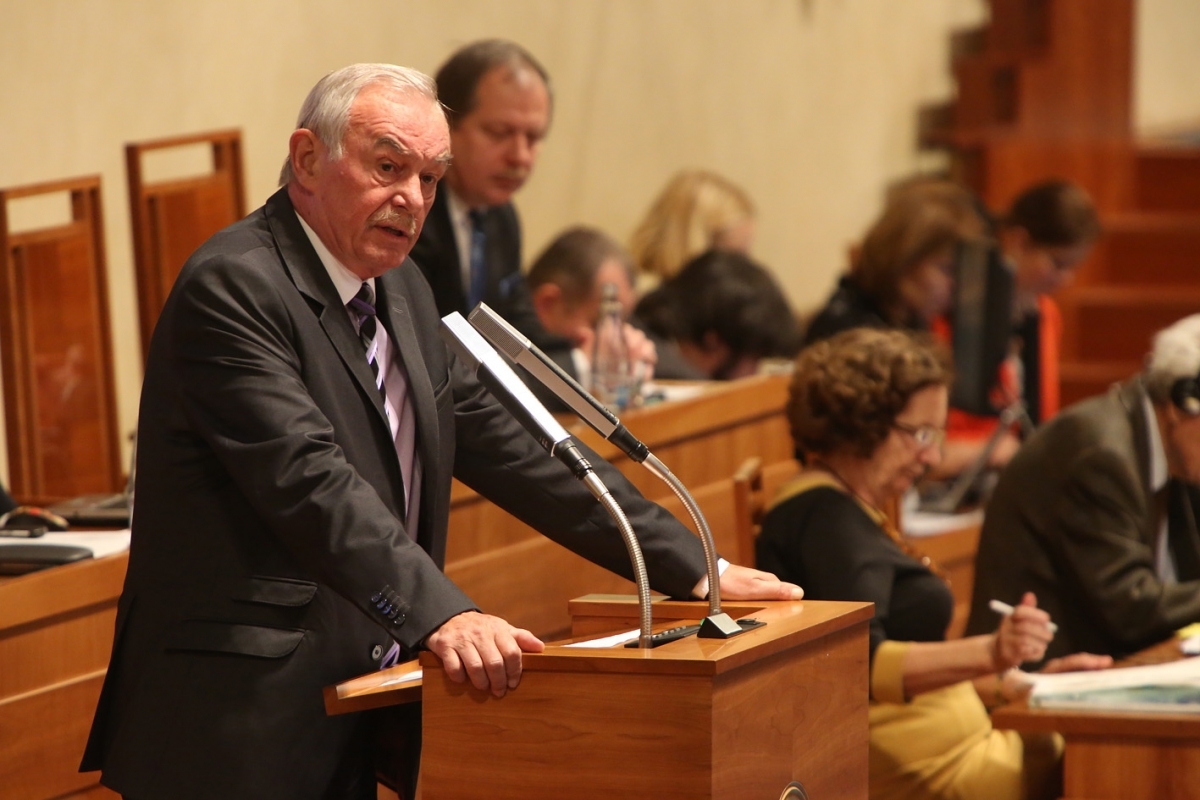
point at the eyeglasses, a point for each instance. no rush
(925, 436)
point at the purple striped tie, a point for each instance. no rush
(363, 306)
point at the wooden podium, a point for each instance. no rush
(695, 718)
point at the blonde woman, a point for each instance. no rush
(696, 211)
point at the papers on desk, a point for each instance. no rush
(414, 675)
(608, 641)
(101, 543)
(915, 522)
(1171, 688)
(927, 523)
(672, 391)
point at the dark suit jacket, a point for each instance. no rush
(436, 253)
(507, 293)
(1073, 520)
(269, 558)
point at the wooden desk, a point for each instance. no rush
(56, 626)
(56, 629)
(1120, 755)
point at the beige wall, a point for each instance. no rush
(811, 104)
(1167, 66)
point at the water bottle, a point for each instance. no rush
(611, 376)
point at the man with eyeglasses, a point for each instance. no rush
(1096, 513)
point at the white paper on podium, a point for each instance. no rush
(607, 641)
(101, 543)
(415, 675)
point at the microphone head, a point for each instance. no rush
(457, 333)
(504, 337)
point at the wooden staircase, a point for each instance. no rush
(1044, 91)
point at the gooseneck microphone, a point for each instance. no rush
(512, 393)
(520, 350)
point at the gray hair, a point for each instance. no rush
(326, 110)
(1174, 355)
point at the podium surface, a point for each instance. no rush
(695, 718)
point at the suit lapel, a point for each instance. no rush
(1130, 396)
(311, 279)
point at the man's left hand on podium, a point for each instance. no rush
(743, 583)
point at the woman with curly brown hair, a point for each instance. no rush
(867, 408)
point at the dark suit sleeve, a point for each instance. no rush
(1096, 536)
(243, 386)
(503, 462)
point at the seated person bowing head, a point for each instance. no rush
(902, 273)
(868, 409)
(724, 312)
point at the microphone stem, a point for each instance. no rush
(706, 538)
(635, 558)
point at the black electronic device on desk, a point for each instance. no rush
(95, 510)
(981, 324)
(101, 510)
(981, 336)
(22, 542)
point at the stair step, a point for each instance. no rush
(1116, 323)
(1144, 249)
(1168, 179)
(988, 91)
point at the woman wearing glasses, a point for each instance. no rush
(867, 408)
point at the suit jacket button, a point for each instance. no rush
(377, 652)
(399, 619)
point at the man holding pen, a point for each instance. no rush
(1096, 514)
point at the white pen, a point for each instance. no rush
(1006, 610)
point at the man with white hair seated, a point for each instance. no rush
(1096, 514)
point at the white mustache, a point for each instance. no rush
(392, 218)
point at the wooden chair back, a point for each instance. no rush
(755, 486)
(55, 344)
(171, 218)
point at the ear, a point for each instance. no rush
(547, 300)
(710, 342)
(306, 154)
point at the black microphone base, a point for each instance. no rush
(722, 626)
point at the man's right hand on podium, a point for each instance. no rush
(743, 583)
(484, 648)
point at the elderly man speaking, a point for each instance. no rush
(300, 423)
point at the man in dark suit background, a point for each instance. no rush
(300, 423)
(1096, 513)
(499, 101)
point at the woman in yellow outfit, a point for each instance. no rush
(868, 409)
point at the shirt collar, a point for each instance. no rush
(459, 210)
(345, 281)
(1158, 456)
